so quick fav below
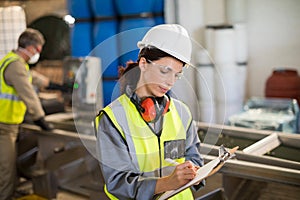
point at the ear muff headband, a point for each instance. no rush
(150, 109)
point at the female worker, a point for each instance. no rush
(142, 130)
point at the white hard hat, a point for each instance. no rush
(170, 38)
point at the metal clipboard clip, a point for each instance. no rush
(225, 155)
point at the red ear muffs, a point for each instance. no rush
(151, 110)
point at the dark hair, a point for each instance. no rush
(30, 37)
(150, 53)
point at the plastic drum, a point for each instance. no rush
(103, 8)
(134, 6)
(106, 30)
(111, 91)
(79, 9)
(128, 44)
(158, 11)
(81, 39)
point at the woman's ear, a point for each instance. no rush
(143, 63)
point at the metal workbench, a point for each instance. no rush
(64, 159)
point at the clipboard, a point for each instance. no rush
(205, 171)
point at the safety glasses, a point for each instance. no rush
(166, 70)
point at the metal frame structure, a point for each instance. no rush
(67, 164)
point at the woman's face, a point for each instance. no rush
(158, 76)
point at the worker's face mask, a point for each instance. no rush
(33, 59)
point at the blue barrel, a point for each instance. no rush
(135, 30)
(104, 30)
(111, 91)
(105, 46)
(79, 8)
(81, 39)
(103, 8)
(159, 20)
(105, 26)
(158, 11)
(158, 6)
(133, 6)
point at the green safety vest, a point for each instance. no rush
(12, 108)
(145, 142)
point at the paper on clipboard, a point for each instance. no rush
(205, 171)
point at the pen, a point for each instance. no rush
(171, 161)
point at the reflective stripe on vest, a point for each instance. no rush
(143, 143)
(12, 107)
(9, 97)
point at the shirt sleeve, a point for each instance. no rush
(16, 76)
(122, 177)
(39, 80)
(192, 151)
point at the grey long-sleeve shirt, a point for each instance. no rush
(121, 174)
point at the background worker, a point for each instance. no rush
(16, 96)
(144, 127)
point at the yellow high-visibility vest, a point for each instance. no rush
(12, 108)
(147, 150)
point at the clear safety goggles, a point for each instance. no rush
(167, 71)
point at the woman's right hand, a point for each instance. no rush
(182, 174)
